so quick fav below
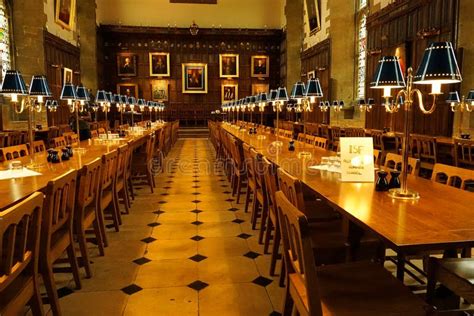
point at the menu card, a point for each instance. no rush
(17, 173)
(357, 159)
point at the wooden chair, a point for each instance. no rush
(142, 163)
(94, 134)
(377, 157)
(107, 203)
(15, 138)
(72, 139)
(361, 288)
(354, 132)
(335, 136)
(3, 140)
(251, 181)
(394, 161)
(457, 274)
(425, 149)
(59, 141)
(57, 233)
(238, 168)
(121, 190)
(301, 137)
(20, 227)
(86, 214)
(14, 152)
(310, 139)
(453, 176)
(260, 205)
(464, 153)
(377, 136)
(39, 146)
(321, 142)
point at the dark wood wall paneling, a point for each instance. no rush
(400, 25)
(60, 54)
(317, 59)
(185, 48)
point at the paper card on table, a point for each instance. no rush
(357, 159)
(20, 173)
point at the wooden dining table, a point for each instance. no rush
(14, 190)
(441, 219)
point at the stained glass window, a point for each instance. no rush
(362, 4)
(5, 48)
(362, 55)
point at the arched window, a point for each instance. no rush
(5, 38)
(361, 49)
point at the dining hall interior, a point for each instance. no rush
(236, 157)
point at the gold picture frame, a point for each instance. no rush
(126, 65)
(128, 89)
(194, 77)
(65, 13)
(259, 88)
(159, 90)
(229, 65)
(159, 64)
(260, 66)
(313, 15)
(229, 92)
(68, 76)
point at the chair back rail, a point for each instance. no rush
(14, 152)
(452, 176)
(394, 161)
(292, 188)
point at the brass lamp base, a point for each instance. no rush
(407, 195)
(304, 154)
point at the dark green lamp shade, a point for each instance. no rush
(321, 104)
(370, 101)
(150, 104)
(51, 104)
(272, 95)
(68, 92)
(247, 100)
(388, 74)
(341, 103)
(141, 102)
(327, 103)
(453, 97)
(313, 88)
(335, 103)
(252, 99)
(263, 97)
(82, 94)
(124, 99)
(117, 98)
(470, 96)
(282, 95)
(13, 83)
(101, 97)
(39, 87)
(298, 91)
(109, 96)
(360, 101)
(439, 65)
(132, 101)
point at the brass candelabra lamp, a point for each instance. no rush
(337, 107)
(76, 99)
(52, 107)
(365, 106)
(461, 106)
(102, 99)
(305, 97)
(278, 102)
(438, 66)
(324, 107)
(261, 102)
(22, 99)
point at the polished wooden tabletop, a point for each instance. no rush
(13, 190)
(442, 217)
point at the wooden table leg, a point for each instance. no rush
(400, 266)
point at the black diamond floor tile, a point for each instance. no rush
(238, 221)
(196, 211)
(197, 238)
(233, 209)
(158, 212)
(148, 240)
(198, 285)
(197, 223)
(224, 185)
(62, 292)
(131, 289)
(109, 226)
(262, 281)
(227, 192)
(195, 187)
(196, 193)
(195, 181)
(168, 187)
(161, 202)
(169, 181)
(196, 201)
(251, 255)
(244, 236)
(230, 200)
(141, 261)
(275, 313)
(164, 194)
(198, 258)
(154, 224)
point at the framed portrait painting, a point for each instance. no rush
(259, 88)
(313, 9)
(65, 13)
(128, 89)
(228, 65)
(67, 75)
(194, 78)
(159, 90)
(126, 65)
(159, 64)
(260, 66)
(229, 92)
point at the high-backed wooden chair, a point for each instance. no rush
(14, 152)
(39, 146)
(394, 161)
(310, 139)
(121, 190)
(142, 163)
(354, 132)
(321, 142)
(301, 137)
(260, 206)
(251, 181)
(107, 203)
(464, 153)
(15, 138)
(238, 167)
(453, 176)
(425, 149)
(361, 288)
(335, 136)
(86, 214)
(72, 139)
(3, 140)
(20, 227)
(57, 232)
(59, 141)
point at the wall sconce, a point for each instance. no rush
(438, 66)
(365, 107)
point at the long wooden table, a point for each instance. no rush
(13, 190)
(443, 218)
